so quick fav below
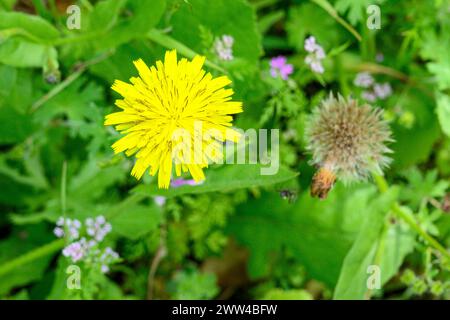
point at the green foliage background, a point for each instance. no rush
(234, 236)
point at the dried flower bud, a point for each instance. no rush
(347, 142)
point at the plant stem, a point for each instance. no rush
(64, 84)
(31, 256)
(170, 43)
(413, 224)
(399, 211)
(325, 5)
(57, 89)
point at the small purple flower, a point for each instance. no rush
(181, 182)
(363, 80)
(98, 228)
(72, 226)
(104, 268)
(108, 257)
(160, 200)
(75, 251)
(60, 222)
(228, 40)
(315, 56)
(382, 90)
(59, 232)
(314, 64)
(369, 96)
(310, 44)
(279, 67)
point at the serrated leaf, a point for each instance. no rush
(36, 26)
(15, 126)
(230, 17)
(137, 221)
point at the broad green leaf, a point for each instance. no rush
(20, 53)
(137, 221)
(292, 294)
(120, 64)
(105, 14)
(317, 233)
(352, 283)
(7, 4)
(226, 178)
(220, 17)
(13, 247)
(29, 26)
(414, 145)
(113, 23)
(356, 8)
(309, 19)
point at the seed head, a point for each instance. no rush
(346, 140)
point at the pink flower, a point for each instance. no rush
(279, 67)
(315, 56)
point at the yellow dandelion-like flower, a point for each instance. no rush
(166, 115)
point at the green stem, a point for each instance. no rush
(413, 224)
(399, 211)
(57, 89)
(31, 256)
(170, 43)
(325, 5)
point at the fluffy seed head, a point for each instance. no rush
(347, 139)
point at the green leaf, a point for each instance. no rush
(105, 15)
(29, 26)
(293, 294)
(353, 277)
(20, 53)
(15, 126)
(231, 17)
(193, 285)
(225, 178)
(422, 185)
(414, 145)
(137, 221)
(307, 229)
(25, 272)
(7, 4)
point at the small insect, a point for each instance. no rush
(289, 195)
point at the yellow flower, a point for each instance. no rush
(173, 115)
